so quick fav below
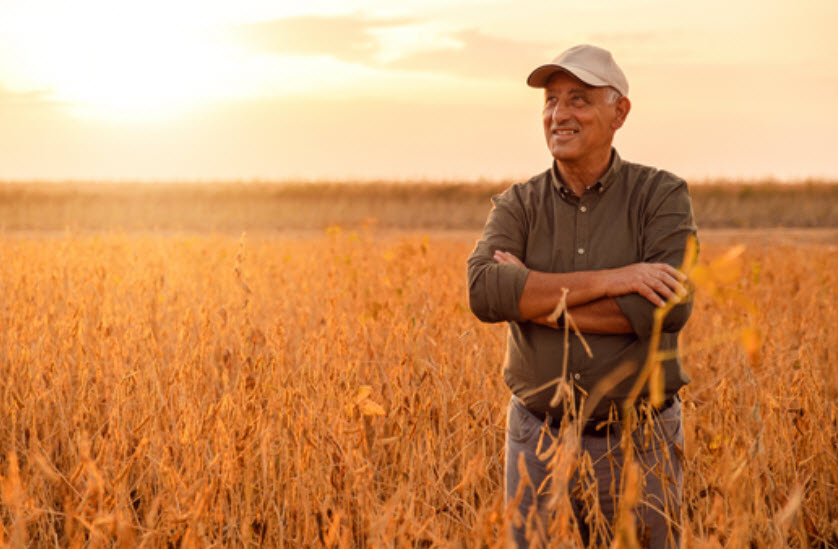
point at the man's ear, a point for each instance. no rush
(623, 106)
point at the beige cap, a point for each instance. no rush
(590, 64)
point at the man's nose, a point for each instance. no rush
(559, 113)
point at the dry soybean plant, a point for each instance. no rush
(334, 390)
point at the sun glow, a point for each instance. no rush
(261, 88)
(118, 62)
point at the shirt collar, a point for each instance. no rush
(610, 175)
(613, 171)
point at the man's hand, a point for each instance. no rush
(506, 257)
(651, 280)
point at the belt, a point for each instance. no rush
(590, 429)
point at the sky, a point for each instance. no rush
(211, 90)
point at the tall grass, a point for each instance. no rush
(334, 390)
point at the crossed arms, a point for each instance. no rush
(618, 300)
(590, 297)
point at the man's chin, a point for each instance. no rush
(564, 155)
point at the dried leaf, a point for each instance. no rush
(371, 408)
(752, 342)
(364, 391)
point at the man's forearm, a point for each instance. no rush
(543, 291)
(602, 316)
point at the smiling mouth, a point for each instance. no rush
(565, 132)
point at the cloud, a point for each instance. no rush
(480, 56)
(345, 37)
(38, 97)
(19, 102)
(357, 39)
(628, 38)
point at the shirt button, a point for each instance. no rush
(583, 209)
(581, 251)
(576, 375)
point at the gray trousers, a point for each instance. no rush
(657, 512)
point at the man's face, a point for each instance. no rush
(579, 121)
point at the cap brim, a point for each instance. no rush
(540, 76)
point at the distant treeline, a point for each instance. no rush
(258, 206)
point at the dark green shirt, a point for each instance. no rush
(633, 213)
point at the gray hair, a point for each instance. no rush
(613, 95)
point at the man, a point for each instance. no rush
(604, 237)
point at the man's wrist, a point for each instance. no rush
(601, 283)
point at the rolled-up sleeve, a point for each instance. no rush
(668, 224)
(494, 290)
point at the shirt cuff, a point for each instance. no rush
(640, 313)
(513, 277)
(495, 291)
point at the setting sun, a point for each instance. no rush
(109, 62)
